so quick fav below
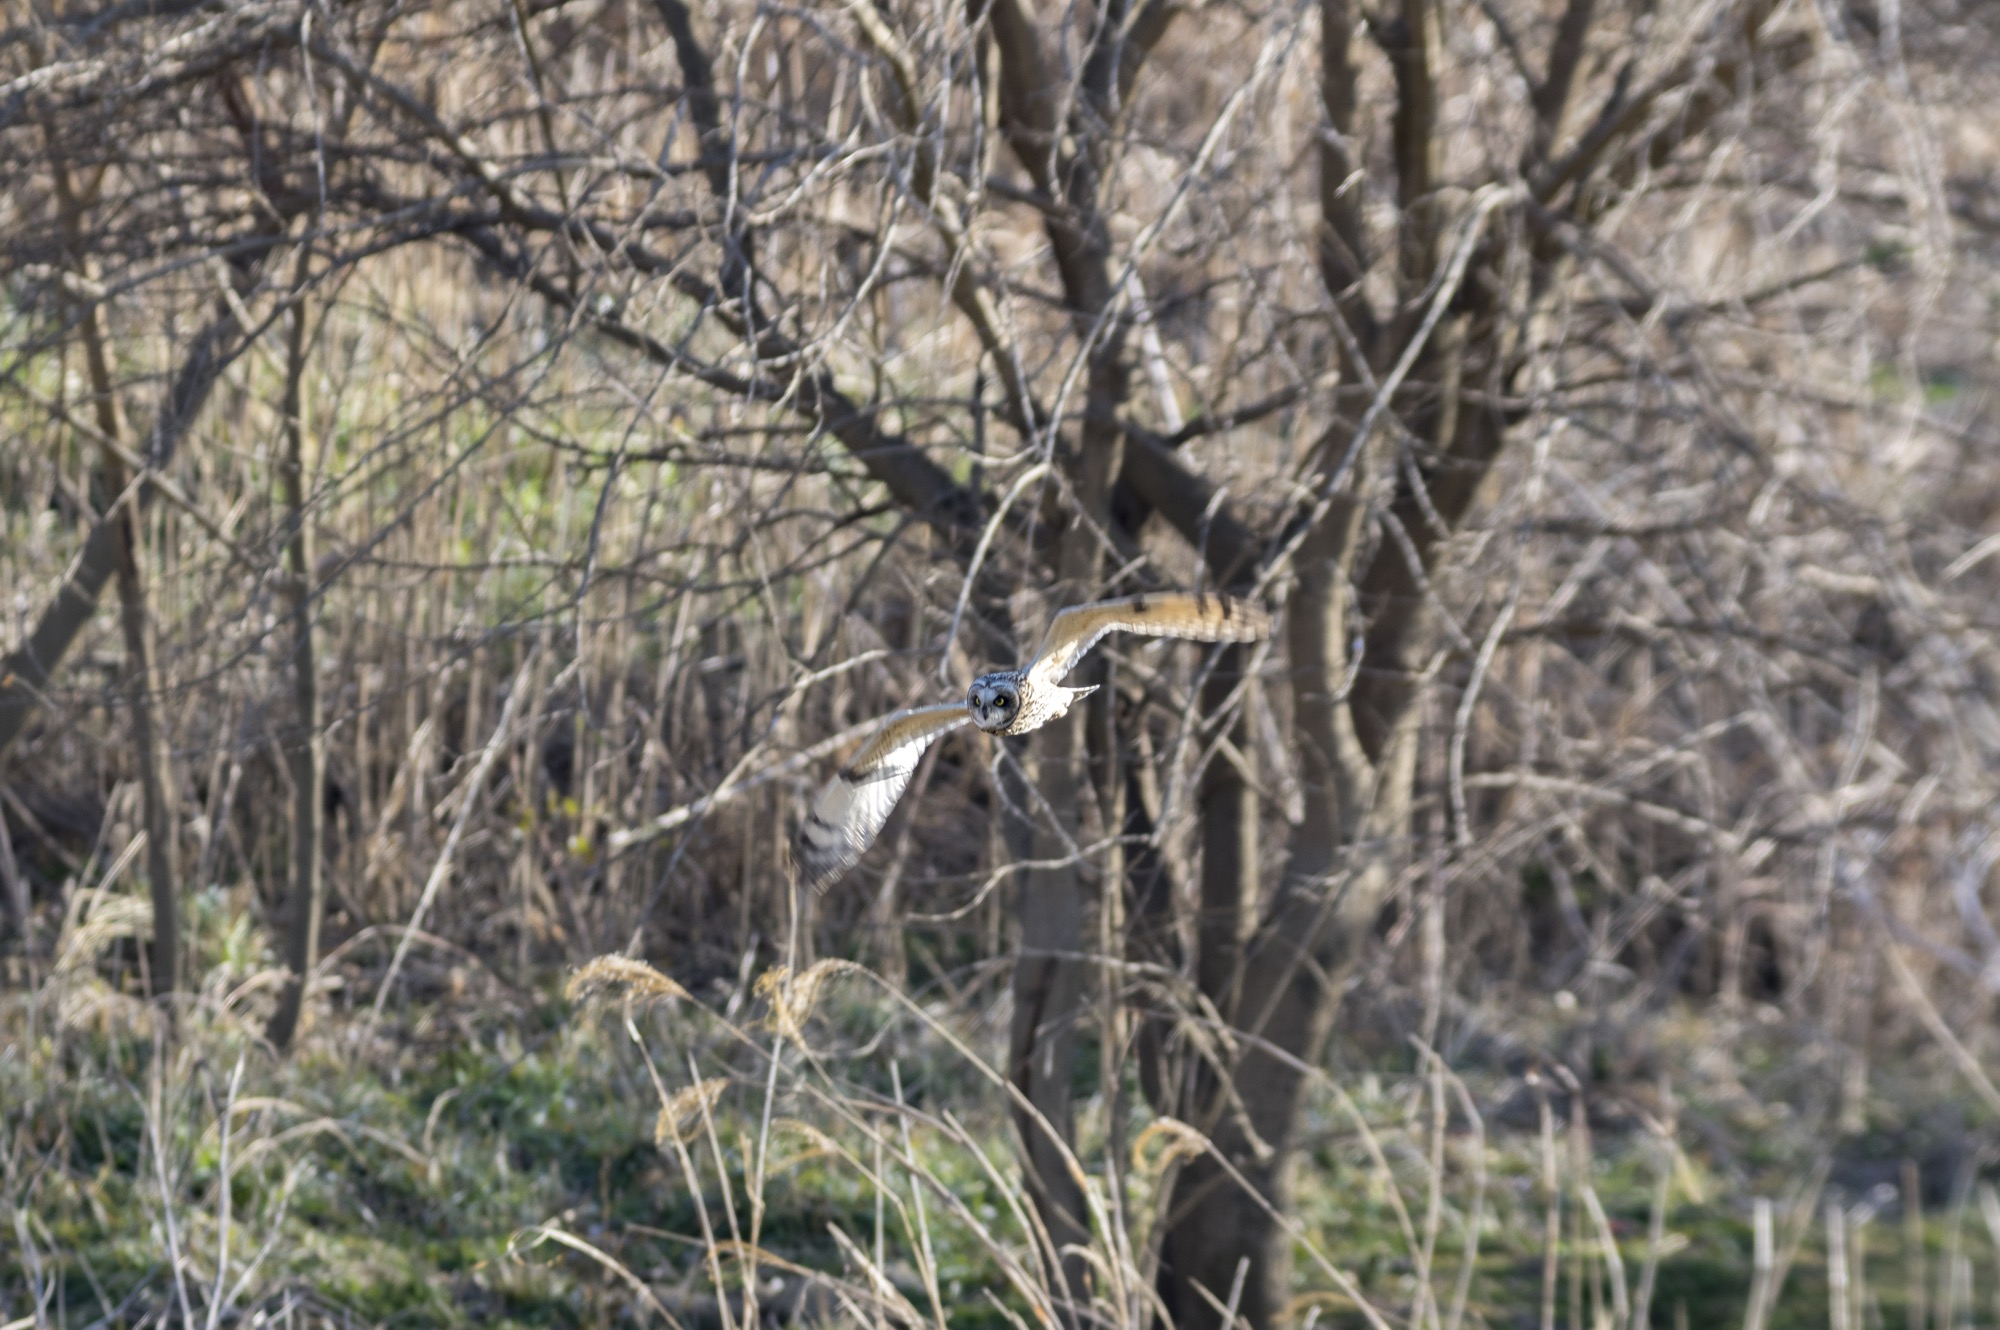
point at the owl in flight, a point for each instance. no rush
(845, 818)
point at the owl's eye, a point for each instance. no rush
(1004, 701)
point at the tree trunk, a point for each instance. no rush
(1208, 1207)
(140, 682)
(1050, 976)
(1294, 974)
(1343, 858)
(29, 669)
(1228, 852)
(149, 740)
(19, 908)
(305, 748)
(1048, 1001)
(1151, 938)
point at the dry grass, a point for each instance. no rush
(842, 1156)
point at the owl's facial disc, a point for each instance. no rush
(994, 701)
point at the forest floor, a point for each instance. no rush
(492, 1155)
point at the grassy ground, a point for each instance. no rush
(493, 1157)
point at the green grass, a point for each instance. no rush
(406, 1189)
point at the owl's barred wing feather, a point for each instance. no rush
(849, 812)
(1206, 618)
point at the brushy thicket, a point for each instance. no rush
(674, 393)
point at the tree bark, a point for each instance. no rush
(28, 671)
(1229, 878)
(1207, 1206)
(1151, 937)
(1063, 154)
(1050, 976)
(149, 740)
(140, 682)
(1048, 1000)
(1344, 854)
(305, 747)
(19, 909)
(1288, 986)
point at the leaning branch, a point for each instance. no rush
(24, 680)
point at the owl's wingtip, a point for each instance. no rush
(816, 878)
(1248, 618)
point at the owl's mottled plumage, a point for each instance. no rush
(852, 807)
(850, 810)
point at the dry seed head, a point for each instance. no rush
(112, 918)
(680, 1114)
(93, 1005)
(816, 1141)
(792, 996)
(1179, 1141)
(621, 974)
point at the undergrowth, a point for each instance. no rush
(820, 1146)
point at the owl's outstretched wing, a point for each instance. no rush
(848, 813)
(1207, 618)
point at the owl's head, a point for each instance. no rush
(994, 701)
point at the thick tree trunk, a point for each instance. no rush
(1293, 976)
(1151, 937)
(1228, 853)
(1051, 976)
(1049, 981)
(304, 748)
(1208, 1207)
(1345, 853)
(1284, 990)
